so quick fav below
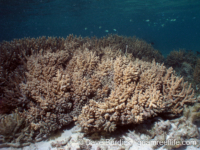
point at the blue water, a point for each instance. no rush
(168, 24)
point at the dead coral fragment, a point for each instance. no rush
(13, 131)
(10, 124)
(192, 113)
(178, 130)
(61, 143)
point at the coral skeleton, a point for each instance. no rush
(174, 132)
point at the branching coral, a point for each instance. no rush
(176, 58)
(137, 47)
(14, 55)
(181, 58)
(139, 90)
(55, 78)
(58, 85)
(183, 62)
(47, 86)
(197, 72)
(13, 58)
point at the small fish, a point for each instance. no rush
(114, 30)
(85, 28)
(99, 27)
(173, 20)
(152, 43)
(106, 30)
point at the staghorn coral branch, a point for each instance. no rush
(141, 90)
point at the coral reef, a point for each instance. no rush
(50, 80)
(176, 58)
(192, 113)
(197, 71)
(57, 94)
(139, 90)
(137, 47)
(186, 71)
(14, 55)
(186, 64)
(151, 134)
(183, 62)
(12, 130)
(175, 132)
(46, 86)
(181, 130)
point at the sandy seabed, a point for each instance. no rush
(74, 143)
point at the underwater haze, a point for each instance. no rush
(167, 24)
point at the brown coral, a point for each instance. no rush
(58, 91)
(192, 113)
(197, 72)
(175, 58)
(139, 90)
(12, 131)
(55, 78)
(183, 62)
(13, 58)
(14, 55)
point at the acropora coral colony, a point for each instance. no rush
(46, 83)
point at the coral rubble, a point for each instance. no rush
(173, 132)
(192, 113)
